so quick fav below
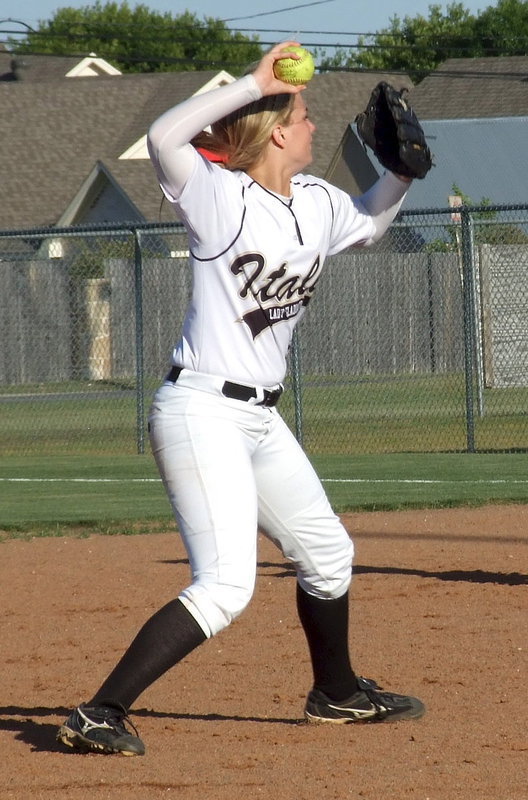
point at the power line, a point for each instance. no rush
(249, 31)
(279, 10)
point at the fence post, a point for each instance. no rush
(140, 373)
(430, 314)
(297, 385)
(469, 328)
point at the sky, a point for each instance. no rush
(311, 23)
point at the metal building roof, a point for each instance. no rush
(485, 158)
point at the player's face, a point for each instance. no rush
(299, 132)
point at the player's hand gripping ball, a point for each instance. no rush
(295, 71)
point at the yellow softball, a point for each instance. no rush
(295, 71)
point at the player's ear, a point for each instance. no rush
(277, 136)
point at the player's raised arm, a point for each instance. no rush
(169, 136)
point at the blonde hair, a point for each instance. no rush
(243, 135)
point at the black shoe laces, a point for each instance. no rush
(117, 717)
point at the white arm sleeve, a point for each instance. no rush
(382, 202)
(169, 136)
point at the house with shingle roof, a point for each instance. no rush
(73, 138)
(57, 131)
(22, 67)
(473, 88)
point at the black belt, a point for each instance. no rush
(237, 391)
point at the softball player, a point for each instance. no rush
(259, 231)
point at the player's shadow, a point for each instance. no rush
(285, 570)
(41, 736)
(471, 576)
(147, 712)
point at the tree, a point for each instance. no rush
(502, 30)
(141, 40)
(417, 45)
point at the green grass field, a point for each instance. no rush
(69, 451)
(340, 416)
(119, 494)
(408, 413)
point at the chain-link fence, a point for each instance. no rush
(418, 344)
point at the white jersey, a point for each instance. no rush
(256, 256)
(253, 281)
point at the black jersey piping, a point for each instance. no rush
(319, 186)
(230, 245)
(287, 205)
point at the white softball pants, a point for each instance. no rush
(230, 467)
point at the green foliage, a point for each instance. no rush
(141, 40)
(483, 231)
(416, 45)
(502, 30)
(89, 260)
(498, 233)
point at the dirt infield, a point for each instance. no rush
(439, 609)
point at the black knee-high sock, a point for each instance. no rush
(325, 623)
(167, 637)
